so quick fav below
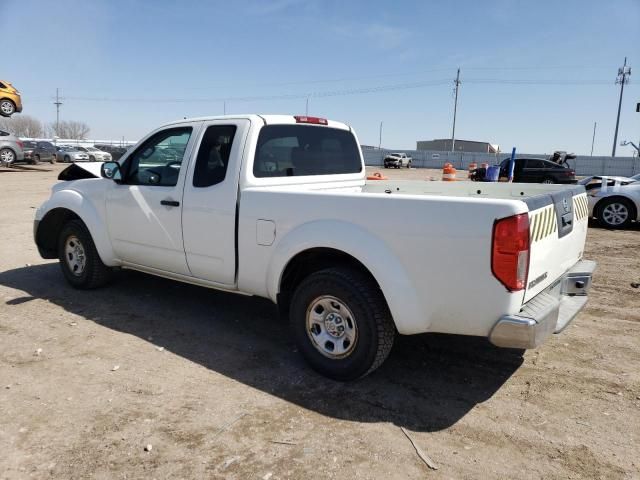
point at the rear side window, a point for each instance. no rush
(213, 155)
(537, 164)
(298, 150)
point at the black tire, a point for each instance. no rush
(67, 159)
(409, 164)
(7, 107)
(374, 327)
(548, 181)
(53, 160)
(92, 158)
(619, 207)
(36, 159)
(94, 273)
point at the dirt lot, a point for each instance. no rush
(213, 382)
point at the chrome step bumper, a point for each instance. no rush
(551, 311)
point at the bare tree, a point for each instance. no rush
(22, 126)
(71, 129)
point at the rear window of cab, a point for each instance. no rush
(299, 150)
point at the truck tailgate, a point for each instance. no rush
(557, 232)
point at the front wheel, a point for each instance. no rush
(409, 164)
(7, 156)
(79, 259)
(67, 159)
(92, 158)
(341, 323)
(7, 108)
(615, 213)
(36, 160)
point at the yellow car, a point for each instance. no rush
(10, 101)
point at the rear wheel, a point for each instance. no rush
(67, 159)
(615, 213)
(92, 158)
(341, 323)
(7, 108)
(548, 180)
(7, 156)
(79, 259)
(409, 164)
(36, 159)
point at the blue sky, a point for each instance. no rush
(535, 75)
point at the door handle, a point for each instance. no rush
(170, 203)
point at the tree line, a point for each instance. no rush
(30, 127)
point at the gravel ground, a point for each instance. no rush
(212, 382)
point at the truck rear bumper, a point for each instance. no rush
(551, 311)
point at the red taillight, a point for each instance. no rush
(510, 251)
(313, 120)
(20, 144)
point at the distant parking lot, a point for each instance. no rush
(149, 378)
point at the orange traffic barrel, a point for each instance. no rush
(448, 173)
(376, 176)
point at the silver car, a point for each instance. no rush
(613, 201)
(10, 148)
(95, 154)
(67, 154)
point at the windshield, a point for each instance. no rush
(91, 149)
(297, 150)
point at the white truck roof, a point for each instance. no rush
(267, 119)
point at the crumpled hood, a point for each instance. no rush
(77, 171)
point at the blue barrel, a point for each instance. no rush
(493, 173)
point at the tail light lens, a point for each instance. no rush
(20, 144)
(312, 120)
(510, 251)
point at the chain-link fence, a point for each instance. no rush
(583, 165)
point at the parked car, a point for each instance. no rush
(10, 100)
(636, 177)
(43, 152)
(115, 151)
(11, 148)
(613, 201)
(538, 170)
(95, 155)
(397, 160)
(278, 206)
(68, 153)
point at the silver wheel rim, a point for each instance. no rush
(6, 156)
(331, 327)
(615, 213)
(74, 255)
(6, 107)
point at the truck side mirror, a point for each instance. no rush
(111, 170)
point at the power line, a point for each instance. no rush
(342, 92)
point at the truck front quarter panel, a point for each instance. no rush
(85, 203)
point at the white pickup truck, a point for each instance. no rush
(278, 207)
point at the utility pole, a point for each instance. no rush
(306, 111)
(455, 111)
(224, 107)
(623, 77)
(593, 139)
(57, 103)
(380, 138)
